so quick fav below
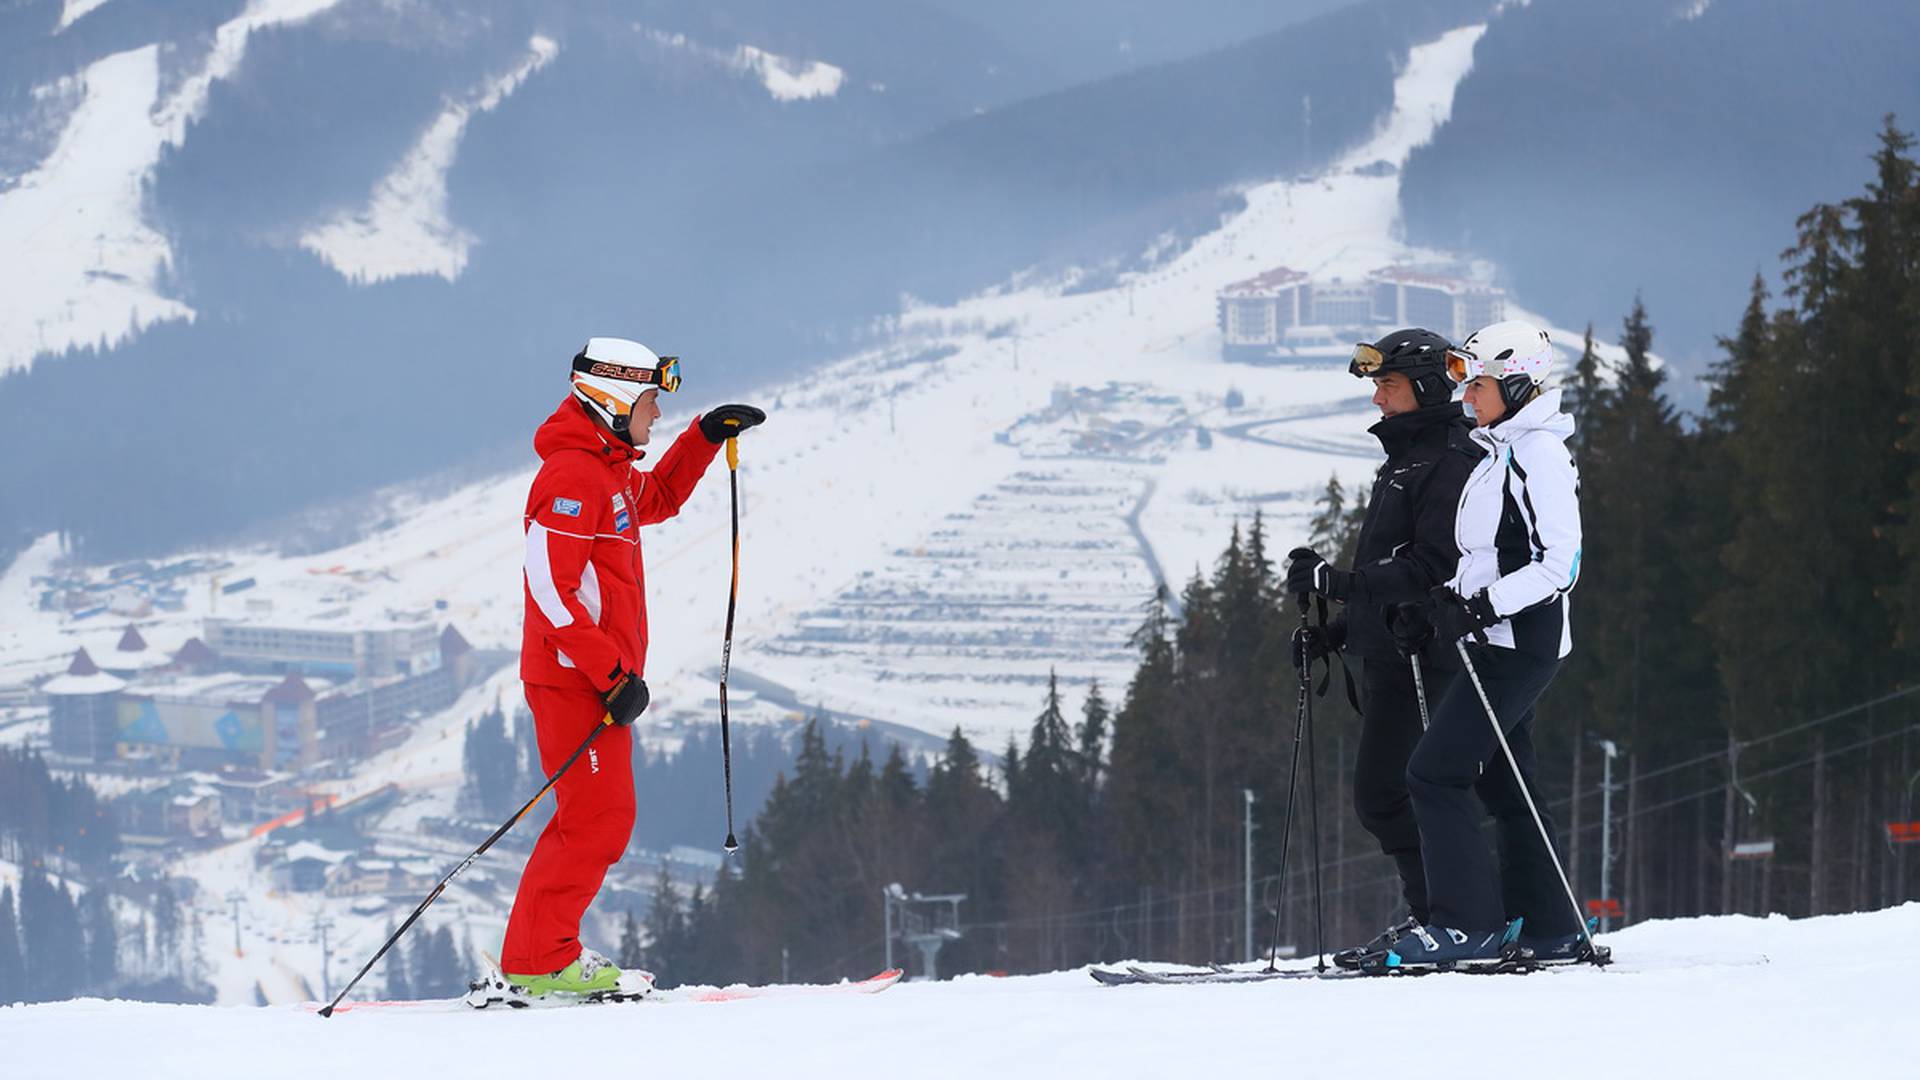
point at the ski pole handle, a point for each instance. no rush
(733, 453)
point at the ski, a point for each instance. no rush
(678, 995)
(1216, 974)
(873, 984)
(1133, 975)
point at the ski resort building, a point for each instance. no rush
(274, 699)
(321, 648)
(1452, 306)
(1284, 315)
(1256, 314)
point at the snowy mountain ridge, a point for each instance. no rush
(78, 220)
(1028, 419)
(930, 527)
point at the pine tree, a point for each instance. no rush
(1049, 780)
(53, 948)
(630, 953)
(166, 930)
(13, 975)
(399, 986)
(1145, 770)
(663, 951)
(1583, 392)
(1090, 737)
(438, 968)
(1328, 527)
(102, 941)
(422, 972)
(493, 770)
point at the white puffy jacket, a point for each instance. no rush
(1518, 528)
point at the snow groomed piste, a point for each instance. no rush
(678, 995)
(1718, 996)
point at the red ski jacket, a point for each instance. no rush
(586, 590)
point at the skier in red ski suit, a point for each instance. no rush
(583, 652)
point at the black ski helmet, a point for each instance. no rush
(1419, 354)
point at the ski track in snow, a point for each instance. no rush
(405, 228)
(83, 266)
(1732, 996)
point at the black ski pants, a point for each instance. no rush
(1456, 759)
(1389, 730)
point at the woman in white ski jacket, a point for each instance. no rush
(1518, 531)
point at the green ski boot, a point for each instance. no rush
(590, 974)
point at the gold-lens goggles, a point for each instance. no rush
(1366, 361)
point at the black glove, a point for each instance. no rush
(726, 421)
(1307, 572)
(626, 699)
(1312, 644)
(1455, 616)
(1411, 625)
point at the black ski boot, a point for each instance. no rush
(1350, 958)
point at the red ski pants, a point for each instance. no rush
(591, 823)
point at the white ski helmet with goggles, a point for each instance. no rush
(1516, 353)
(610, 374)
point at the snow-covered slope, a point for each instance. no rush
(96, 265)
(930, 528)
(1729, 996)
(405, 229)
(932, 525)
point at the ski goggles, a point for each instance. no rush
(665, 375)
(1366, 361)
(1463, 365)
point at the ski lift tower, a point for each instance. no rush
(926, 923)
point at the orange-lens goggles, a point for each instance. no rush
(1462, 366)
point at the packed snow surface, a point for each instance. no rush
(1731, 996)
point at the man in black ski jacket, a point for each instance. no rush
(1406, 547)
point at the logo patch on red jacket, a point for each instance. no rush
(569, 507)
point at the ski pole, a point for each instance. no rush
(1313, 821)
(726, 646)
(1419, 687)
(604, 724)
(1293, 774)
(1500, 733)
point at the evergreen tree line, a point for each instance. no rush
(428, 965)
(42, 817)
(1745, 627)
(57, 943)
(1103, 833)
(677, 799)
